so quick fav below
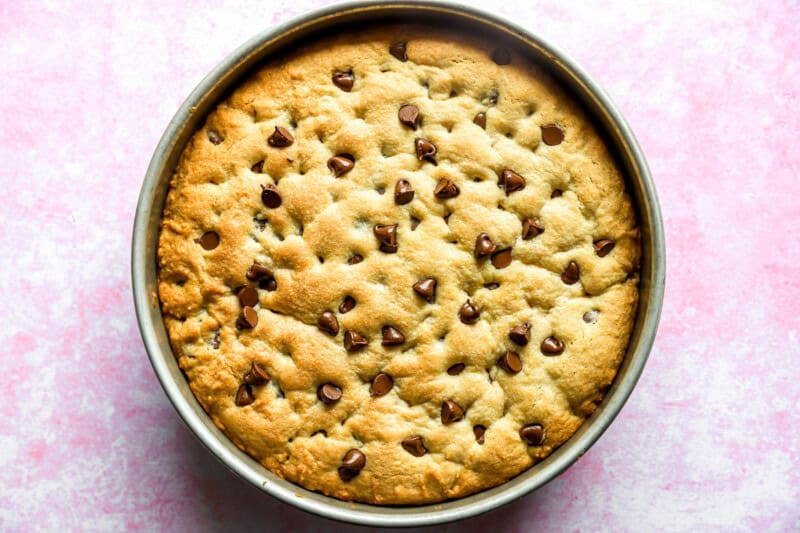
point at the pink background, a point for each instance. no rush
(710, 440)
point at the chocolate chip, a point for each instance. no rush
(502, 258)
(244, 395)
(533, 434)
(381, 384)
(414, 223)
(415, 446)
(258, 168)
(270, 196)
(355, 259)
(446, 189)
(380, 190)
(510, 181)
(256, 375)
(552, 135)
(409, 115)
(403, 192)
(258, 272)
(424, 148)
(387, 237)
(531, 227)
(571, 274)
(354, 342)
(456, 369)
(261, 223)
(556, 193)
(341, 164)
(327, 322)
(552, 346)
(209, 240)
(347, 304)
(510, 362)
(479, 432)
(392, 336)
(520, 334)
(352, 464)
(501, 56)
(451, 412)
(280, 138)
(603, 247)
(248, 296)
(490, 98)
(484, 245)
(468, 313)
(268, 284)
(248, 318)
(214, 137)
(329, 393)
(344, 80)
(590, 317)
(480, 120)
(398, 50)
(426, 288)
(491, 286)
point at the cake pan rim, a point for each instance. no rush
(149, 318)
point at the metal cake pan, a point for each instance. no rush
(259, 50)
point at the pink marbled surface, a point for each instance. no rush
(710, 440)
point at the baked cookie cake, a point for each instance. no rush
(398, 265)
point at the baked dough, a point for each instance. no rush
(489, 350)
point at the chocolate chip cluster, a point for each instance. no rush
(405, 259)
(388, 241)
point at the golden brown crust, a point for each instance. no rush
(324, 220)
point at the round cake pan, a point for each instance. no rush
(283, 37)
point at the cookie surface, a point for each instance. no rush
(398, 273)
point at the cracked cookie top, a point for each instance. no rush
(398, 265)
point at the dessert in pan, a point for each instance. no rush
(398, 265)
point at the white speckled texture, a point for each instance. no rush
(710, 440)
